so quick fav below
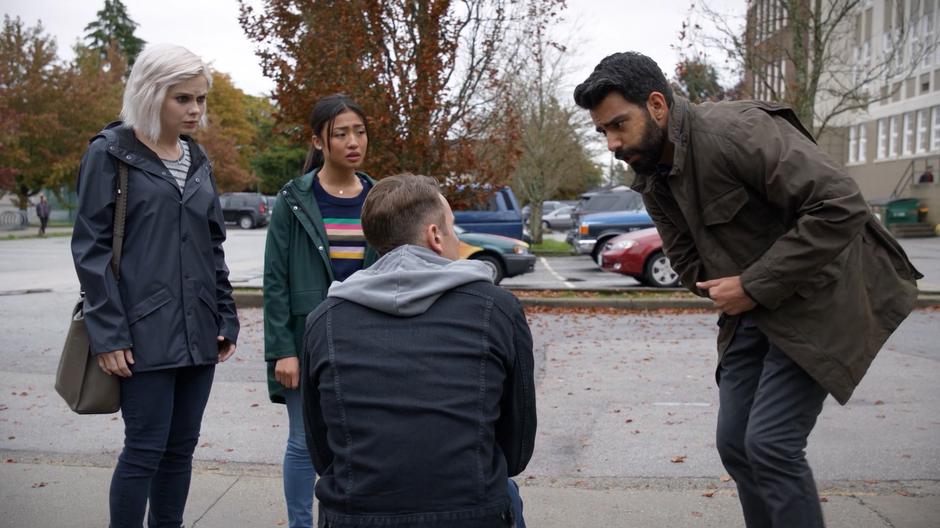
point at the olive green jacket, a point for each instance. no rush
(297, 272)
(750, 194)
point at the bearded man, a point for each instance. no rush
(753, 215)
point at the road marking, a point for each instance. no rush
(555, 274)
(682, 404)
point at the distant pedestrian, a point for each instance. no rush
(315, 238)
(169, 317)
(42, 211)
(753, 215)
(417, 380)
(927, 176)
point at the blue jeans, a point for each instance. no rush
(515, 503)
(299, 475)
(162, 412)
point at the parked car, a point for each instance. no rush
(594, 230)
(500, 215)
(547, 207)
(617, 199)
(639, 254)
(558, 219)
(248, 210)
(506, 257)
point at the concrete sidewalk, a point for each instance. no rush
(46, 493)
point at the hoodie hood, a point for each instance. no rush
(408, 280)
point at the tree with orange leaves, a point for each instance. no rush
(427, 72)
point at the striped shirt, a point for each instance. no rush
(179, 169)
(342, 218)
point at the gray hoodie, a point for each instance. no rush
(408, 280)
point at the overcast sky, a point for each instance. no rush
(593, 29)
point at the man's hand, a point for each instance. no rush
(287, 372)
(728, 295)
(117, 362)
(226, 348)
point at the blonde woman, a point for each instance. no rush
(168, 317)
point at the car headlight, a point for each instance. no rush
(520, 250)
(623, 244)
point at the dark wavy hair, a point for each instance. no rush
(323, 115)
(633, 75)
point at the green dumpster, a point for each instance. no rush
(903, 211)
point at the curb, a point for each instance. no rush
(252, 298)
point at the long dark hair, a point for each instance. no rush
(323, 115)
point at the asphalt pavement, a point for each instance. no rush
(627, 408)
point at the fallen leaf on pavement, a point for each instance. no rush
(678, 459)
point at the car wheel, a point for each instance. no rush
(596, 252)
(546, 225)
(659, 272)
(245, 222)
(496, 267)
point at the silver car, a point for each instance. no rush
(558, 219)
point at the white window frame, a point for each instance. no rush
(928, 36)
(935, 132)
(882, 151)
(893, 137)
(907, 143)
(863, 143)
(922, 137)
(853, 144)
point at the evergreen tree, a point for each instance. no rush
(114, 25)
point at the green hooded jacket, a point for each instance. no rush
(297, 272)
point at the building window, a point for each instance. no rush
(935, 133)
(922, 130)
(907, 148)
(928, 38)
(893, 138)
(853, 144)
(862, 142)
(882, 151)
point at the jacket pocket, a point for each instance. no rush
(209, 300)
(149, 305)
(304, 302)
(829, 273)
(722, 209)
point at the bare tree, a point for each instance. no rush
(819, 56)
(553, 138)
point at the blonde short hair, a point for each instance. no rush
(157, 68)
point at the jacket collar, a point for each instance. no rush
(677, 131)
(300, 197)
(124, 145)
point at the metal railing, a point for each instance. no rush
(13, 220)
(913, 172)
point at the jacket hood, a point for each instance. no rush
(408, 280)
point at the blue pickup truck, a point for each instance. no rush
(499, 215)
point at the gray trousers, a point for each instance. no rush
(768, 407)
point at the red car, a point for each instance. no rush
(639, 254)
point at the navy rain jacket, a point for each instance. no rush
(174, 296)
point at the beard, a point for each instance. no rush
(650, 150)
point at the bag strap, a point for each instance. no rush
(120, 215)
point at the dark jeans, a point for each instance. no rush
(43, 222)
(162, 412)
(768, 407)
(515, 504)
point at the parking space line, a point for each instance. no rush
(555, 274)
(682, 404)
